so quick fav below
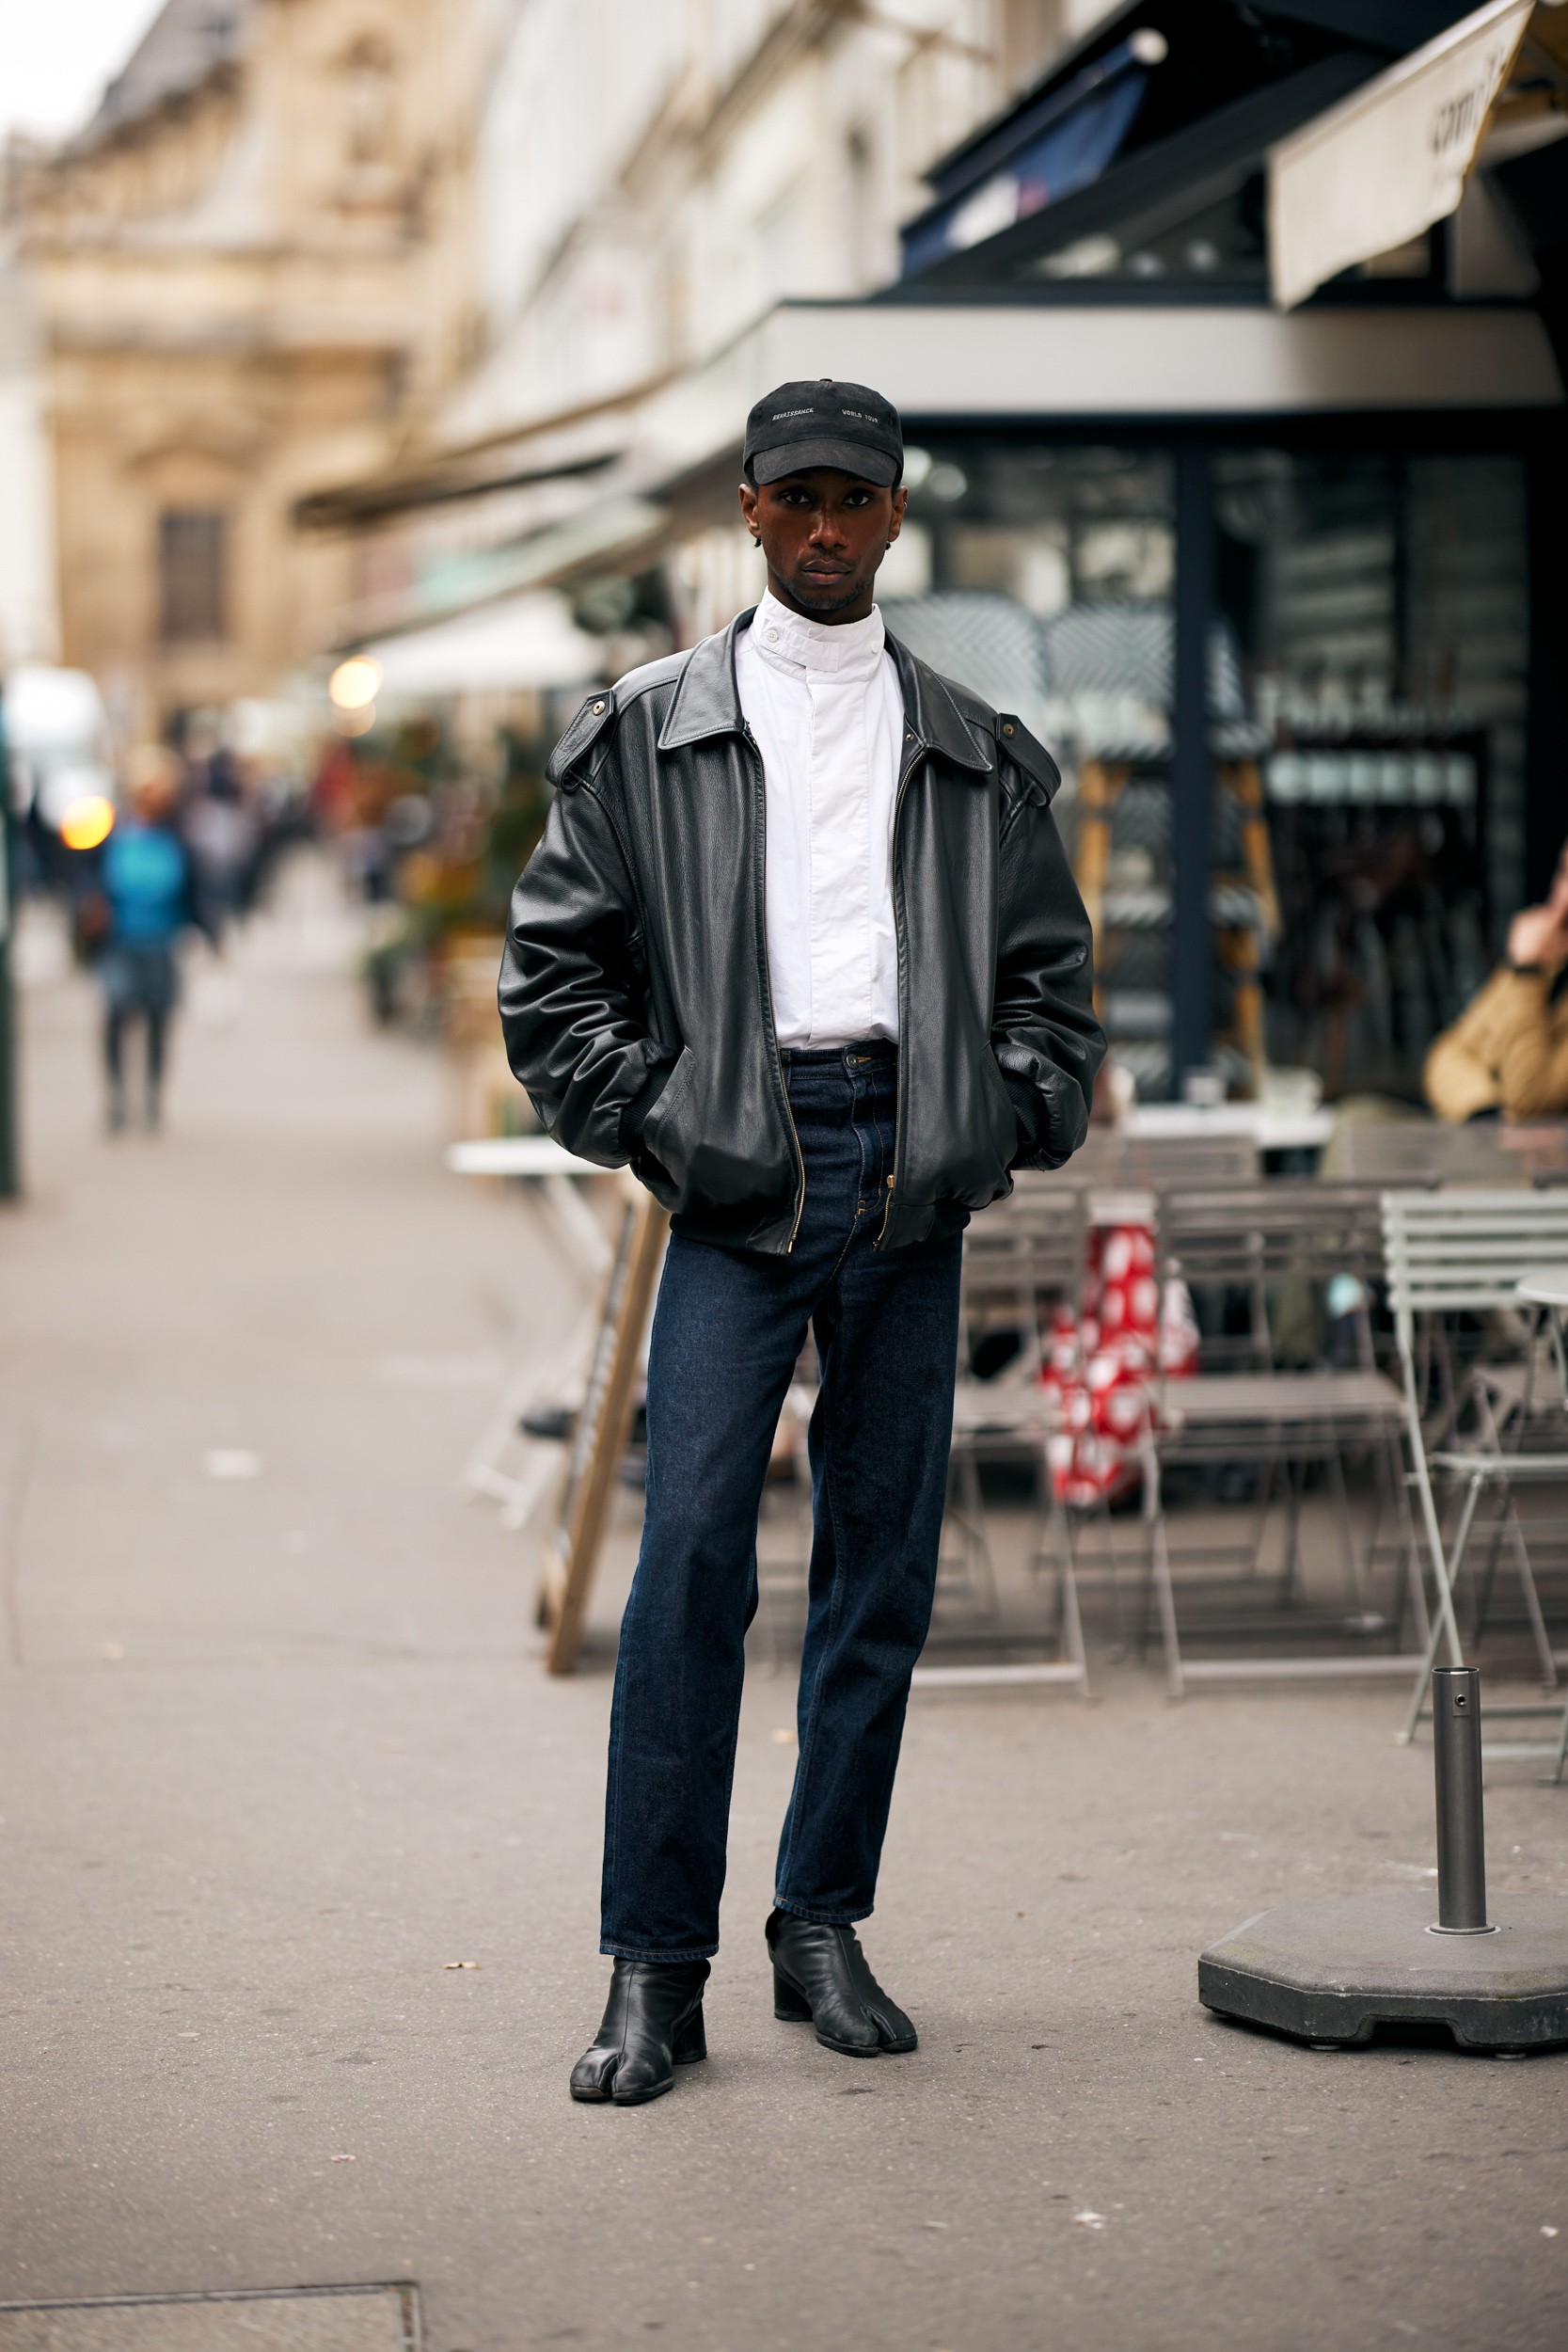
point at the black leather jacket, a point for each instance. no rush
(634, 991)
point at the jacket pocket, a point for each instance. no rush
(1004, 1118)
(664, 1153)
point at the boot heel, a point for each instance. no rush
(791, 2006)
(691, 2042)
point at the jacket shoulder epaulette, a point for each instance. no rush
(569, 763)
(572, 760)
(1039, 772)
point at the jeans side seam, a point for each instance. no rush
(808, 1745)
(616, 1726)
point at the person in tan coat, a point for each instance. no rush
(1508, 1051)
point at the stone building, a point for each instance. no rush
(249, 273)
(650, 177)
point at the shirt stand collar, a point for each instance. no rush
(705, 703)
(791, 644)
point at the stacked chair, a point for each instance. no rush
(1297, 1378)
(1022, 1262)
(1454, 1262)
(1269, 1256)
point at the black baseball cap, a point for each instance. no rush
(825, 423)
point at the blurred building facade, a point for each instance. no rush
(649, 176)
(246, 273)
(29, 609)
(655, 172)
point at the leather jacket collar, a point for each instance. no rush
(706, 703)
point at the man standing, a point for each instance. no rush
(800, 943)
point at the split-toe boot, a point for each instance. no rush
(653, 2023)
(821, 1975)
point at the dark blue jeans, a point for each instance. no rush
(727, 1330)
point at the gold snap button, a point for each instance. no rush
(598, 711)
(1006, 730)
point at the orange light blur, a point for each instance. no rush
(86, 822)
(354, 682)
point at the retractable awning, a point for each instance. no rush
(1379, 167)
(521, 642)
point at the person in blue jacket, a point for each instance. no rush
(148, 886)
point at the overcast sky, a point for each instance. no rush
(55, 58)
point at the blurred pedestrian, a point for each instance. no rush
(1508, 1052)
(149, 896)
(821, 1059)
(220, 827)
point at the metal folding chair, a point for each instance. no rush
(1409, 1152)
(1463, 1253)
(1251, 1405)
(1021, 1259)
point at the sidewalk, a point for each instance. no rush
(275, 1750)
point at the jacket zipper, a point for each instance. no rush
(898, 1123)
(772, 1022)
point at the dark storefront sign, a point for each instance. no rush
(1142, 159)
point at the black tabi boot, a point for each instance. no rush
(820, 1976)
(653, 2023)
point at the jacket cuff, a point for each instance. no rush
(640, 1110)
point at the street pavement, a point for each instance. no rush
(277, 1751)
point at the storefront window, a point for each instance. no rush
(1380, 608)
(1367, 679)
(1050, 573)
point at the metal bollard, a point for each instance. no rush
(1461, 1830)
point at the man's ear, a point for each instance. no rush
(900, 500)
(749, 510)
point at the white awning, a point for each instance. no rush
(1042, 361)
(1378, 169)
(529, 640)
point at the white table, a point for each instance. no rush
(518, 1156)
(1548, 1286)
(538, 1156)
(1272, 1131)
(552, 1369)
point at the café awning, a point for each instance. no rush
(1379, 167)
(527, 641)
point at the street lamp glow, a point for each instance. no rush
(88, 821)
(354, 682)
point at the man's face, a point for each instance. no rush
(823, 534)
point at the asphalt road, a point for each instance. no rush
(276, 1751)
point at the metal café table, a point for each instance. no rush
(1548, 1286)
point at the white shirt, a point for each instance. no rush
(824, 706)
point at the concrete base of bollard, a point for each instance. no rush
(1336, 1971)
